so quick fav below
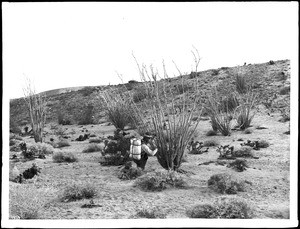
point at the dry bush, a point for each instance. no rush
(222, 208)
(75, 192)
(245, 110)
(220, 120)
(38, 149)
(241, 84)
(150, 213)
(248, 131)
(243, 152)
(239, 165)
(263, 144)
(120, 108)
(208, 143)
(93, 148)
(224, 183)
(59, 157)
(211, 133)
(25, 202)
(160, 180)
(36, 105)
(62, 143)
(95, 140)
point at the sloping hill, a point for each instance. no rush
(270, 80)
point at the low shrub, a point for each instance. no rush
(239, 165)
(285, 90)
(241, 84)
(62, 143)
(113, 159)
(182, 87)
(15, 137)
(224, 183)
(160, 180)
(151, 213)
(93, 148)
(214, 72)
(244, 111)
(25, 202)
(59, 157)
(96, 140)
(208, 143)
(262, 144)
(211, 133)
(248, 131)
(202, 211)
(128, 172)
(39, 149)
(243, 152)
(139, 94)
(224, 208)
(75, 192)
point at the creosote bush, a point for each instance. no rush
(160, 180)
(224, 183)
(75, 192)
(224, 208)
(59, 157)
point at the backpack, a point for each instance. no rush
(135, 149)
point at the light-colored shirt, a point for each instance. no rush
(148, 150)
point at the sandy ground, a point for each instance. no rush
(269, 175)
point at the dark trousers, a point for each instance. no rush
(142, 162)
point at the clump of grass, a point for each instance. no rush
(160, 180)
(59, 157)
(208, 143)
(211, 133)
(224, 208)
(75, 192)
(151, 213)
(224, 183)
(25, 202)
(93, 148)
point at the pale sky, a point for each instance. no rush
(60, 45)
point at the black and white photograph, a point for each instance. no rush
(150, 114)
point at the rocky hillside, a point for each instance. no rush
(270, 80)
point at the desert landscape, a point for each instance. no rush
(232, 165)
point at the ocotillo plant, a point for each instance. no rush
(173, 129)
(36, 105)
